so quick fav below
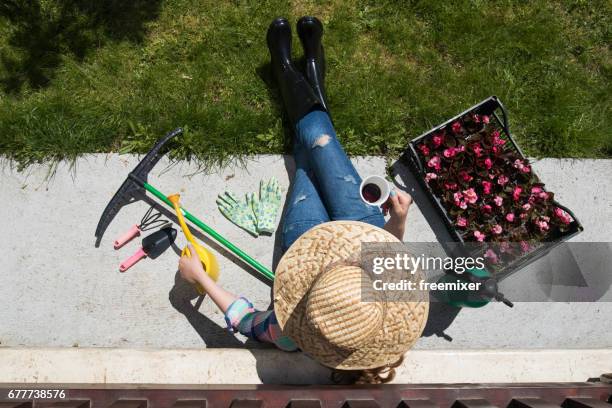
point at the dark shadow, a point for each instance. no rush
(290, 168)
(411, 185)
(181, 295)
(264, 72)
(441, 316)
(44, 32)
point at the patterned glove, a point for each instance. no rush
(267, 206)
(237, 211)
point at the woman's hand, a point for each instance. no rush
(398, 204)
(190, 267)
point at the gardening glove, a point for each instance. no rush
(267, 206)
(237, 211)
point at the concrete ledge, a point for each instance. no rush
(66, 292)
(233, 366)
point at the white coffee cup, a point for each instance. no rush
(377, 190)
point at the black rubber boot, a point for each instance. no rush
(310, 31)
(298, 96)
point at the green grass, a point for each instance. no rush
(79, 76)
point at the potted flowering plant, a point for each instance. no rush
(486, 188)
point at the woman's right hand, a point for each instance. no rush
(190, 267)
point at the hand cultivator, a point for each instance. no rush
(135, 187)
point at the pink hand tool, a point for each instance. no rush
(153, 245)
(148, 222)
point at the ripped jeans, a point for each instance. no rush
(326, 185)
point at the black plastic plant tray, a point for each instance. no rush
(492, 107)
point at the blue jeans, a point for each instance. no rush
(326, 185)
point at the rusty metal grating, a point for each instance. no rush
(553, 395)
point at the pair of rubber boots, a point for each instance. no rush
(301, 93)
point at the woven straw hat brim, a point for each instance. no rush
(319, 247)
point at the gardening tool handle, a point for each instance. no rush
(128, 263)
(133, 232)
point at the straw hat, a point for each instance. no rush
(318, 292)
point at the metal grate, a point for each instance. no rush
(564, 395)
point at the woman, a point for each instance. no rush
(318, 290)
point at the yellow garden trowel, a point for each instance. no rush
(206, 257)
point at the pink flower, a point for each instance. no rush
(461, 222)
(564, 217)
(459, 201)
(486, 187)
(437, 140)
(488, 163)
(536, 190)
(497, 140)
(456, 127)
(518, 164)
(526, 169)
(487, 209)
(498, 201)
(510, 217)
(434, 162)
(430, 176)
(497, 229)
(424, 149)
(542, 225)
(479, 236)
(485, 119)
(527, 207)
(450, 152)
(450, 186)
(516, 193)
(470, 195)
(504, 247)
(523, 216)
(502, 180)
(491, 256)
(477, 149)
(465, 176)
(525, 247)
(543, 195)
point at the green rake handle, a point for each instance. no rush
(219, 238)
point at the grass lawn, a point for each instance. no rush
(81, 76)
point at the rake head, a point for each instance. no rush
(132, 188)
